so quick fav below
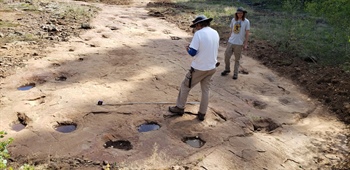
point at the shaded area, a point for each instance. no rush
(119, 144)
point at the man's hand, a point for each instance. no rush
(187, 47)
(245, 47)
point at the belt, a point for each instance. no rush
(192, 70)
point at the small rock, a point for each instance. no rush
(86, 160)
(75, 162)
(259, 104)
(244, 71)
(49, 28)
(61, 23)
(19, 33)
(53, 20)
(112, 27)
(97, 163)
(105, 36)
(79, 160)
(53, 165)
(86, 26)
(175, 38)
(177, 167)
(105, 162)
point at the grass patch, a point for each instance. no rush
(302, 36)
(70, 11)
(29, 37)
(6, 24)
(15, 6)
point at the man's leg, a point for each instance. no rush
(205, 88)
(238, 53)
(197, 76)
(184, 91)
(228, 54)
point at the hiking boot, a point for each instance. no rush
(224, 73)
(235, 76)
(176, 110)
(200, 116)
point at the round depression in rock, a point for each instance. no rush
(27, 86)
(146, 127)
(195, 142)
(18, 126)
(65, 127)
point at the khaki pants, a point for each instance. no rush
(237, 50)
(202, 77)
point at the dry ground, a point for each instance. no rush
(135, 63)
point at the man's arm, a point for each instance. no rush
(193, 48)
(191, 51)
(231, 30)
(246, 39)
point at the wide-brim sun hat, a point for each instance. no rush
(241, 9)
(200, 18)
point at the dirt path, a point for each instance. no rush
(135, 64)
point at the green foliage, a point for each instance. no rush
(292, 5)
(27, 167)
(307, 28)
(335, 11)
(4, 154)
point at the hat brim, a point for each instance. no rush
(242, 11)
(194, 24)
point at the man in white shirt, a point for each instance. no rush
(204, 50)
(239, 35)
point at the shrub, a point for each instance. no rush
(4, 154)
